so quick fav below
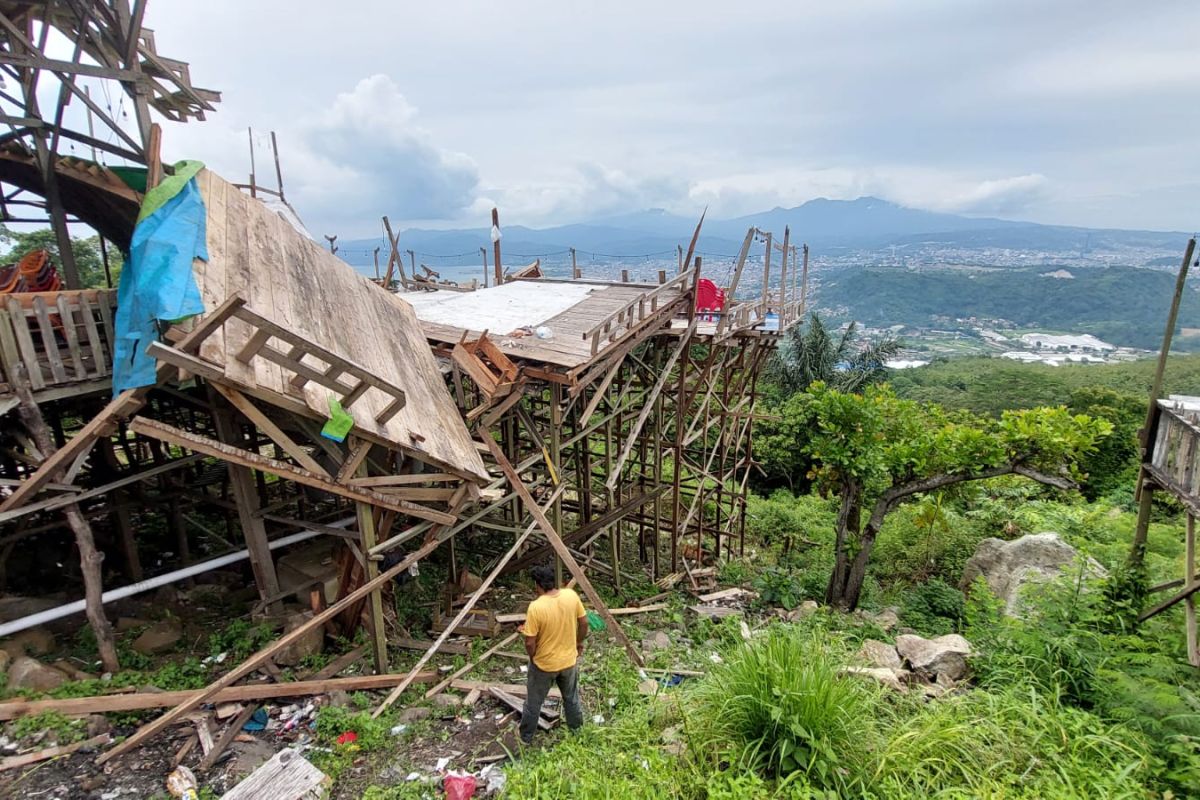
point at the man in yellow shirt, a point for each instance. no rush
(555, 628)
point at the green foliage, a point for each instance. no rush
(1123, 305)
(933, 607)
(777, 586)
(778, 706)
(810, 352)
(88, 259)
(1113, 463)
(59, 728)
(239, 639)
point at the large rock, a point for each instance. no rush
(309, 644)
(159, 638)
(29, 673)
(891, 678)
(32, 641)
(945, 656)
(1010, 566)
(874, 653)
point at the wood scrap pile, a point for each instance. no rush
(724, 603)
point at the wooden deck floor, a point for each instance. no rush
(567, 348)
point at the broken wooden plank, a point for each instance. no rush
(287, 776)
(234, 728)
(727, 594)
(236, 455)
(340, 663)
(511, 688)
(447, 648)
(464, 670)
(207, 694)
(140, 701)
(616, 612)
(268, 426)
(516, 705)
(14, 762)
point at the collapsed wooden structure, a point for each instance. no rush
(1170, 448)
(605, 425)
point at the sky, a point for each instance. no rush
(1071, 112)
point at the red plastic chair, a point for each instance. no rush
(709, 298)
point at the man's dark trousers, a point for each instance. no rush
(537, 686)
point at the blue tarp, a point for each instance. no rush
(157, 283)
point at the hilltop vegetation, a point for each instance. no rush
(1122, 305)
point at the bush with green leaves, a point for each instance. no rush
(934, 607)
(778, 705)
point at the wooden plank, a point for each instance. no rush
(516, 705)
(1165, 604)
(226, 738)
(236, 455)
(207, 694)
(67, 314)
(405, 480)
(564, 554)
(15, 762)
(286, 776)
(358, 452)
(105, 302)
(9, 355)
(446, 648)
(267, 426)
(506, 619)
(24, 338)
(141, 701)
(340, 663)
(454, 676)
(95, 343)
(49, 340)
(466, 609)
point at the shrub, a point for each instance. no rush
(778, 706)
(934, 607)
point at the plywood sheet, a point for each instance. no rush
(294, 282)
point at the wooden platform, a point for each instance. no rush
(296, 284)
(567, 348)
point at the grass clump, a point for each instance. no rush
(778, 706)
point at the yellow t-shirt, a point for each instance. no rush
(553, 619)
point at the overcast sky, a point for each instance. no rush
(1070, 112)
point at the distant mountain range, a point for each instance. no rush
(836, 227)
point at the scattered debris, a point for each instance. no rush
(286, 776)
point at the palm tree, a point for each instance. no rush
(810, 352)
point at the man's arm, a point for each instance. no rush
(531, 646)
(581, 632)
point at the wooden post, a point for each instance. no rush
(556, 424)
(766, 294)
(332, 243)
(782, 312)
(90, 558)
(241, 481)
(412, 263)
(278, 170)
(679, 250)
(376, 256)
(1137, 549)
(1190, 580)
(624, 276)
(253, 174)
(804, 282)
(499, 273)
(367, 532)
(574, 265)
(569, 560)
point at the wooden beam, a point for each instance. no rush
(1165, 604)
(14, 762)
(465, 610)
(202, 444)
(207, 694)
(563, 553)
(648, 404)
(741, 263)
(267, 426)
(438, 689)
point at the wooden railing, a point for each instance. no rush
(627, 319)
(1175, 459)
(61, 339)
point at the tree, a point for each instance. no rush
(876, 451)
(810, 352)
(88, 259)
(1113, 465)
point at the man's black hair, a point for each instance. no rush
(543, 576)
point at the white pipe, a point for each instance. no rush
(51, 614)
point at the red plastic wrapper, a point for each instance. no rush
(459, 785)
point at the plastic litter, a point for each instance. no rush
(544, 332)
(399, 729)
(595, 621)
(258, 721)
(347, 737)
(182, 784)
(459, 785)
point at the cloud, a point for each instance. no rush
(588, 190)
(366, 156)
(1003, 196)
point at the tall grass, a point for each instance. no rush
(779, 707)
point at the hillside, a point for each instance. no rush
(1122, 305)
(991, 385)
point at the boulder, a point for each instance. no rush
(16, 606)
(1010, 566)
(125, 624)
(159, 637)
(891, 678)
(31, 641)
(934, 658)
(415, 714)
(874, 653)
(309, 644)
(656, 641)
(885, 620)
(29, 673)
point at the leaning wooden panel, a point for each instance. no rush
(292, 281)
